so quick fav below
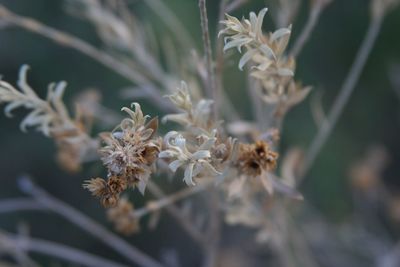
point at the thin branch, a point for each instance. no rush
(56, 250)
(214, 230)
(317, 109)
(315, 13)
(87, 224)
(390, 259)
(19, 204)
(234, 5)
(174, 211)
(394, 79)
(67, 40)
(171, 21)
(222, 100)
(344, 94)
(152, 206)
(211, 89)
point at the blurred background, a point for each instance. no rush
(370, 120)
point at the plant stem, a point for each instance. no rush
(17, 204)
(169, 18)
(214, 230)
(168, 200)
(56, 250)
(87, 224)
(87, 49)
(344, 94)
(315, 13)
(234, 5)
(174, 211)
(211, 89)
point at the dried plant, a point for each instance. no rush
(231, 162)
(50, 116)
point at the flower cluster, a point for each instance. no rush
(129, 155)
(50, 116)
(195, 118)
(254, 160)
(195, 163)
(199, 149)
(272, 67)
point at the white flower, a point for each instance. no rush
(181, 99)
(194, 163)
(243, 33)
(137, 119)
(47, 115)
(196, 118)
(262, 50)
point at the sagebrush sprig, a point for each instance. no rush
(271, 66)
(50, 116)
(47, 115)
(194, 163)
(129, 154)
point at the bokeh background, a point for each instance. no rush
(372, 116)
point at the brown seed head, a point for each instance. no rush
(255, 158)
(122, 216)
(97, 186)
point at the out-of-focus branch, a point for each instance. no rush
(390, 259)
(222, 101)
(344, 94)
(19, 204)
(152, 206)
(174, 211)
(14, 243)
(316, 9)
(394, 79)
(73, 42)
(234, 5)
(171, 20)
(71, 214)
(317, 109)
(211, 89)
(214, 230)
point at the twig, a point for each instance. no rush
(214, 231)
(168, 200)
(56, 250)
(87, 224)
(85, 48)
(222, 100)
(171, 21)
(234, 5)
(317, 109)
(17, 204)
(257, 106)
(316, 10)
(390, 259)
(394, 79)
(344, 94)
(210, 86)
(175, 212)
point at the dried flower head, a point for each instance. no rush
(129, 154)
(107, 191)
(123, 218)
(256, 160)
(131, 150)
